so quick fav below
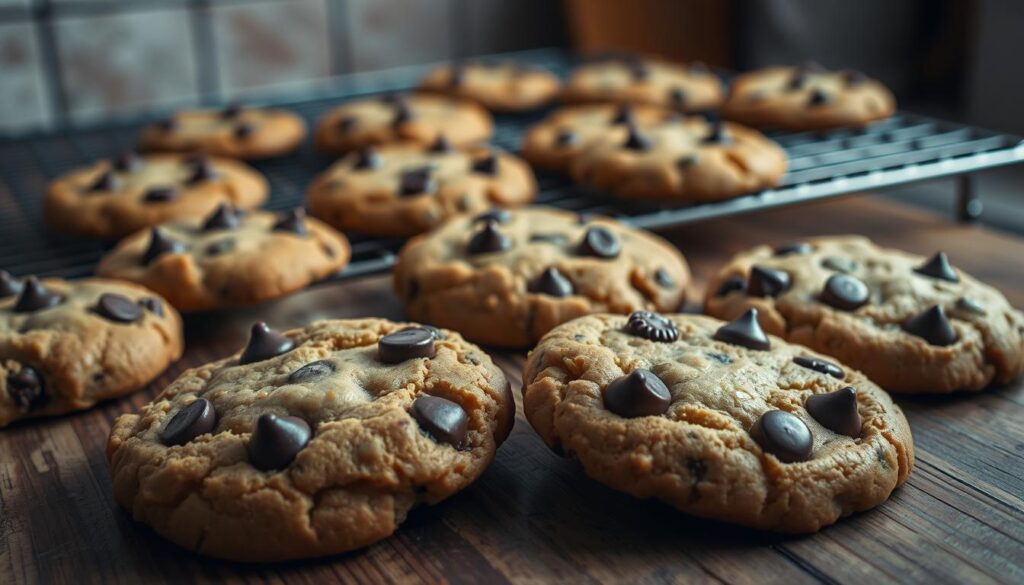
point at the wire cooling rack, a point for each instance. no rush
(902, 149)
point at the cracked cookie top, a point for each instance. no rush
(233, 131)
(313, 441)
(912, 324)
(637, 80)
(506, 277)
(502, 86)
(716, 419)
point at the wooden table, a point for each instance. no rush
(536, 517)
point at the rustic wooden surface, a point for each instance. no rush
(534, 516)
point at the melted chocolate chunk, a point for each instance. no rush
(744, 331)
(652, 326)
(639, 393)
(416, 182)
(836, 411)
(406, 344)
(264, 343)
(118, 308)
(820, 366)
(277, 440)
(784, 435)
(196, 418)
(485, 166)
(731, 284)
(845, 292)
(767, 282)
(26, 389)
(160, 194)
(553, 283)
(445, 421)
(600, 242)
(312, 371)
(819, 97)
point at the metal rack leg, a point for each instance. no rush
(968, 199)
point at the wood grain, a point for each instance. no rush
(534, 516)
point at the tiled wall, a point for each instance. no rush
(83, 60)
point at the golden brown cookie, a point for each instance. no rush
(418, 118)
(111, 199)
(507, 86)
(807, 97)
(636, 80)
(312, 442)
(66, 345)
(403, 190)
(716, 419)
(507, 277)
(233, 131)
(230, 258)
(912, 324)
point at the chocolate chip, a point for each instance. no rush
(416, 181)
(717, 134)
(836, 411)
(437, 333)
(797, 81)
(196, 418)
(845, 292)
(970, 305)
(407, 344)
(687, 161)
(639, 393)
(368, 158)
(35, 296)
(652, 326)
(244, 130)
(127, 162)
(839, 264)
(854, 78)
(733, 283)
(600, 242)
(487, 165)
(664, 279)
(820, 366)
(221, 247)
(440, 418)
(231, 111)
(225, 217)
(635, 140)
(938, 267)
(551, 282)
(624, 115)
(264, 343)
(118, 308)
(402, 114)
(488, 240)
(26, 389)
(312, 371)
(784, 435)
(106, 181)
(9, 285)
(767, 282)
(160, 194)
(293, 221)
(566, 138)
(932, 326)
(345, 124)
(202, 170)
(496, 215)
(276, 441)
(793, 248)
(677, 96)
(160, 244)
(153, 305)
(819, 97)
(441, 145)
(744, 331)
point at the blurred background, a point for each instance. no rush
(85, 61)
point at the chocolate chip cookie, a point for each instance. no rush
(502, 86)
(311, 442)
(111, 199)
(912, 324)
(807, 97)
(234, 131)
(717, 419)
(636, 80)
(683, 159)
(230, 258)
(418, 118)
(407, 189)
(506, 278)
(66, 345)
(555, 141)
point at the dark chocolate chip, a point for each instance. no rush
(26, 389)
(970, 305)
(687, 161)
(845, 292)
(820, 366)
(312, 371)
(677, 96)
(635, 140)
(854, 78)
(441, 145)
(9, 285)
(345, 124)
(368, 158)
(932, 326)
(566, 138)
(664, 279)
(552, 282)
(202, 170)
(938, 267)
(219, 247)
(487, 165)
(437, 333)
(836, 411)
(488, 240)
(406, 344)
(196, 418)
(264, 343)
(496, 215)
(106, 181)
(652, 326)
(231, 111)
(733, 283)
(276, 441)
(624, 115)
(744, 331)
(717, 134)
(244, 130)
(35, 296)
(441, 418)
(767, 282)
(840, 264)
(160, 244)
(127, 162)
(160, 194)
(639, 393)
(416, 181)
(784, 435)
(225, 217)
(153, 305)
(402, 114)
(797, 81)
(118, 308)
(793, 248)
(600, 242)
(293, 221)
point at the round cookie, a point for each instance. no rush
(111, 199)
(685, 88)
(684, 159)
(685, 409)
(555, 141)
(233, 131)
(402, 190)
(312, 442)
(418, 118)
(229, 258)
(912, 324)
(506, 278)
(507, 86)
(807, 97)
(66, 345)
